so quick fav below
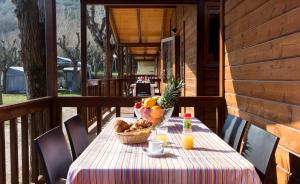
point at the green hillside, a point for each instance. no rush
(8, 20)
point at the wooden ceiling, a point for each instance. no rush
(140, 28)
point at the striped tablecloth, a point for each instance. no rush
(106, 160)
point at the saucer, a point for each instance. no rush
(155, 154)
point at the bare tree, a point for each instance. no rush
(8, 57)
(1, 96)
(73, 53)
(32, 54)
(69, 23)
(98, 31)
(95, 58)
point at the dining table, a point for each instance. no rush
(106, 160)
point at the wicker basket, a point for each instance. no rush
(134, 137)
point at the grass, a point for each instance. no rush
(18, 98)
(13, 98)
(68, 94)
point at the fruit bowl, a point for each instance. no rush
(158, 117)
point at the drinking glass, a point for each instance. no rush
(162, 134)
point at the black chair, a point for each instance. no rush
(55, 155)
(233, 131)
(77, 134)
(143, 89)
(259, 148)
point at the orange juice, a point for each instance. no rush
(162, 137)
(187, 141)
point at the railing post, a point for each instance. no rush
(219, 118)
(121, 87)
(33, 157)
(108, 87)
(58, 116)
(25, 151)
(2, 154)
(118, 111)
(116, 87)
(99, 119)
(100, 87)
(14, 151)
(53, 114)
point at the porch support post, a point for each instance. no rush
(129, 65)
(156, 65)
(132, 65)
(200, 53)
(51, 56)
(126, 61)
(51, 53)
(83, 50)
(120, 62)
(222, 50)
(83, 12)
(222, 110)
(108, 54)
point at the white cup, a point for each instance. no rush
(155, 146)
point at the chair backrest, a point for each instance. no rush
(143, 89)
(54, 154)
(233, 131)
(77, 134)
(259, 148)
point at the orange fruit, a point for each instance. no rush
(149, 102)
(157, 113)
(155, 107)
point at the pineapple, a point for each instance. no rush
(171, 94)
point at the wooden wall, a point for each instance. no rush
(193, 64)
(186, 21)
(262, 74)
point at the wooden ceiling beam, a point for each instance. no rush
(150, 44)
(141, 6)
(144, 55)
(138, 14)
(144, 59)
(113, 25)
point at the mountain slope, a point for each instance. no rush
(8, 19)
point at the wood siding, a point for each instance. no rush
(198, 71)
(262, 74)
(186, 21)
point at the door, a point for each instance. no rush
(170, 58)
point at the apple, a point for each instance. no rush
(137, 105)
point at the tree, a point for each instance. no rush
(32, 54)
(98, 32)
(1, 97)
(72, 53)
(31, 23)
(8, 57)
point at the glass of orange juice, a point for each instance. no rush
(162, 134)
(187, 141)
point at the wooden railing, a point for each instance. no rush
(39, 115)
(35, 117)
(198, 103)
(147, 76)
(109, 88)
(113, 87)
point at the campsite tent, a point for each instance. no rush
(15, 80)
(68, 76)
